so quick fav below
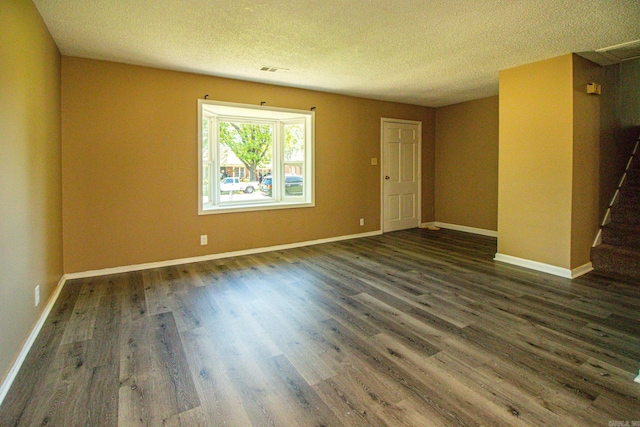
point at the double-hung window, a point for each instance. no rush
(253, 158)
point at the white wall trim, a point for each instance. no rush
(545, 268)
(583, 269)
(464, 228)
(636, 380)
(598, 240)
(179, 261)
(17, 363)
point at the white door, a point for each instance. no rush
(401, 148)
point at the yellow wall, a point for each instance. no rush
(585, 212)
(30, 193)
(535, 161)
(549, 167)
(429, 167)
(130, 166)
(466, 164)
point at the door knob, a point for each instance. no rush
(386, 177)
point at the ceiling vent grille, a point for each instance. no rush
(270, 69)
(622, 52)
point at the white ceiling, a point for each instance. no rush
(424, 52)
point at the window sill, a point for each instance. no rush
(254, 207)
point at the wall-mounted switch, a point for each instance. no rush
(203, 239)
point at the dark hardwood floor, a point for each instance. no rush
(416, 328)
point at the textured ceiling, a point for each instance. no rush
(422, 52)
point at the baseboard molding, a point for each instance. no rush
(17, 363)
(545, 268)
(463, 228)
(583, 269)
(179, 261)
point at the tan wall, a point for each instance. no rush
(130, 166)
(630, 97)
(466, 164)
(613, 154)
(535, 161)
(619, 125)
(586, 161)
(429, 167)
(30, 193)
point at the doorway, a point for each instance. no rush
(401, 174)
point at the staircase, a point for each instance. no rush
(619, 252)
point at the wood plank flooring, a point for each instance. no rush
(414, 328)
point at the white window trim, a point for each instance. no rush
(280, 117)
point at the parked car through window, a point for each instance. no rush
(293, 185)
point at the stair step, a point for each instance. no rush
(619, 234)
(633, 177)
(628, 213)
(616, 259)
(630, 194)
(633, 180)
(619, 252)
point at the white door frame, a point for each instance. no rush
(384, 120)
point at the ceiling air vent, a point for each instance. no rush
(273, 69)
(622, 52)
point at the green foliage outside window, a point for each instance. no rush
(251, 143)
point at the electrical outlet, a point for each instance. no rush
(361, 221)
(203, 239)
(37, 295)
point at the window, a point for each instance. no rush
(253, 158)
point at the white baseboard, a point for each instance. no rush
(545, 268)
(463, 228)
(17, 363)
(172, 262)
(583, 269)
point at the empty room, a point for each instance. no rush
(268, 212)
